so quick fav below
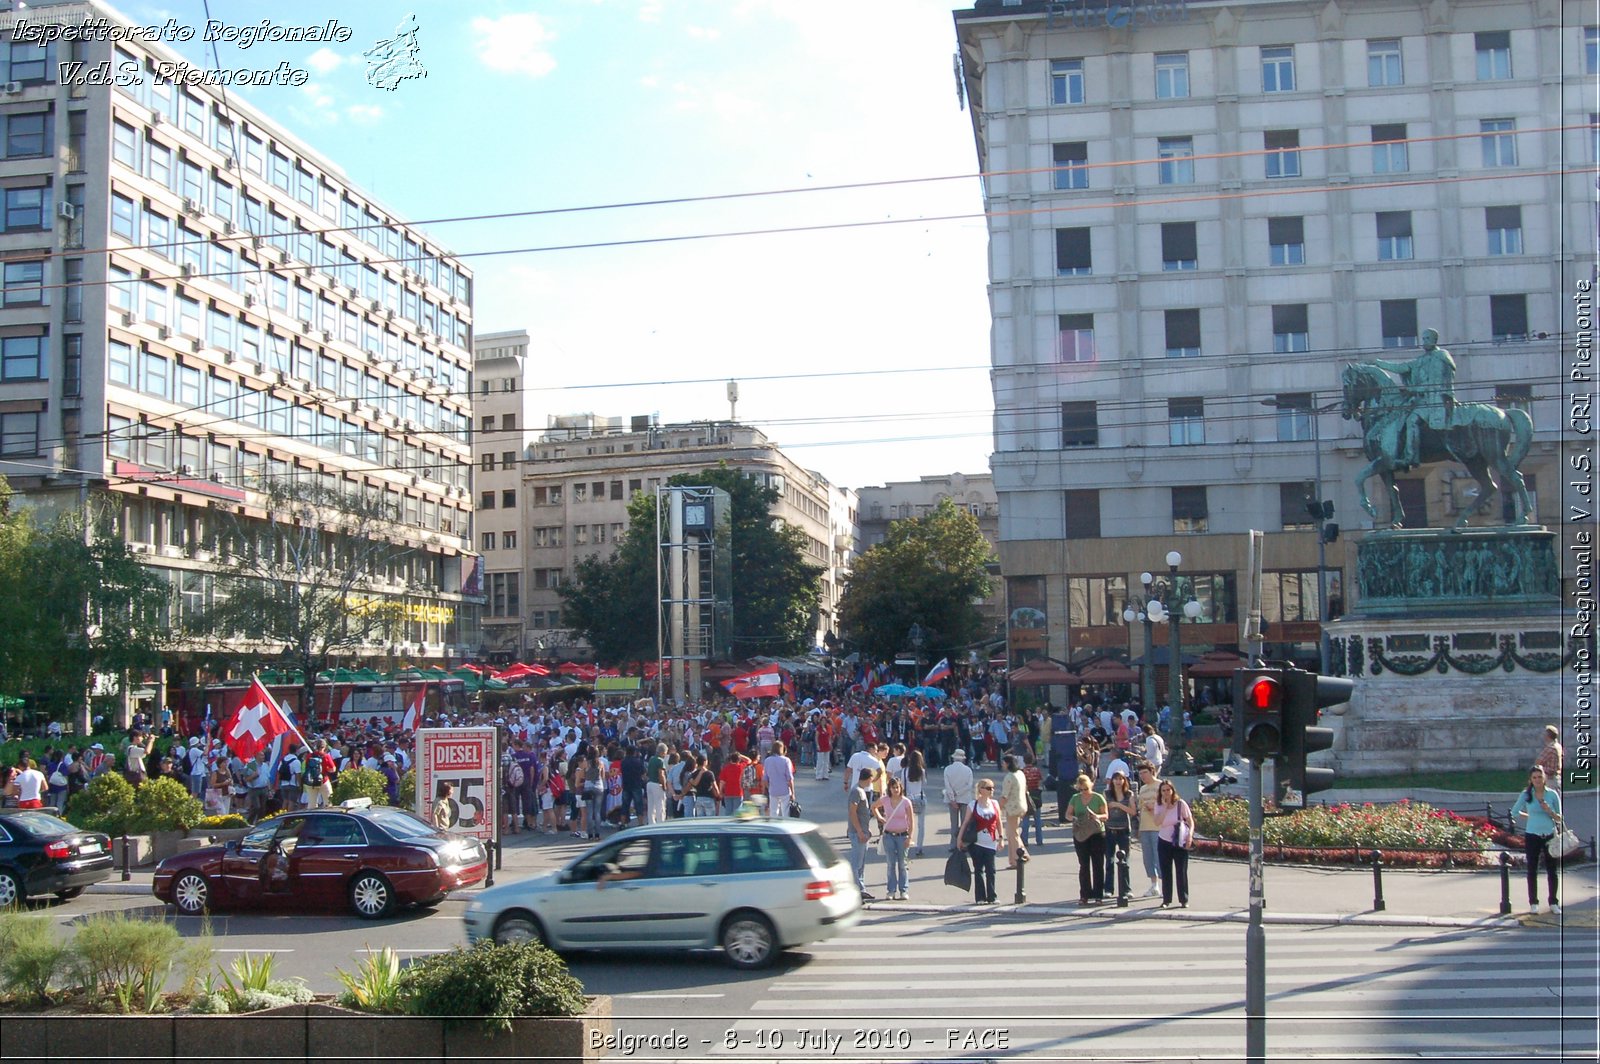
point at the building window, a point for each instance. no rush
(28, 208)
(508, 459)
(1295, 500)
(1096, 601)
(1383, 63)
(1072, 165)
(1066, 81)
(19, 433)
(1519, 396)
(30, 61)
(509, 422)
(1283, 152)
(1277, 69)
(1591, 50)
(1075, 337)
(1286, 237)
(508, 499)
(1504, 226)
(1080, 424)
(21, 358)
(1083, 515)
(486, 463)
(1183, 333)
(1390, 154)
(24, 284)
(1292, 596)
(486, 501)
(1499, 141)
(1398, 318)
(1073, 258)
(72, 364)
(1494, 55)
(546, 579)
(1176, 155)
(1189, 511)
(1179, 246)
(508, 540)
(1394, 236)
(1294, 416)
(488, 541)
(1172, 75)
(1508, 318)
(1186, 421)
(1291, 331)
(27, 135)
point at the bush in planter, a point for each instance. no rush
(125, 959)
(225, 822)
(493, 983)
(361, 783)
(105, 805)
(164, 804)
(31, 956)
(1405, 825)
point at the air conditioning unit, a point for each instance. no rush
(66, 210)
(227, 357)
(186, 270)
(249, 301)
(13, 87)
(126, 318)
(305, 326)
(156, 117)
(228, 227)
(327, 337)
(415, 480)
(185, 470)
(373, 304)
(162, 332)
(276, 376)
(190, 206)
(388, 315)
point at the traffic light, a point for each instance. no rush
(1306, 694)
(1258, 711)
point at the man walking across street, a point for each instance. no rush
(958, 790)
(779, 773)
(860, 811)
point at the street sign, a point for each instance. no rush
(468, 759)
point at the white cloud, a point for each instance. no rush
(650, 81)
(320, 97)
(515, 44)
(650, 11)
(363, 113)
(703, 33)
(325, 60)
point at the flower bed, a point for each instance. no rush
(1408, 833)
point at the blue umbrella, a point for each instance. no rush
(892, 690)
(929, 692)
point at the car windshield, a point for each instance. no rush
(821, 850)
(42, 825)
(400, 824)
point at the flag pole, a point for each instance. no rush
(279, 710)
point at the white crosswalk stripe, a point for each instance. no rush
(929, 988)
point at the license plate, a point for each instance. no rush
(90, 847)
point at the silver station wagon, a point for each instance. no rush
(751, 885)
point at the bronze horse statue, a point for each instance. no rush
(1489, 441)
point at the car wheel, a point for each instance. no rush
(371, 896)
(516, 930)
(11, 892)
(191, 894)
(69, 893)
(749, 941)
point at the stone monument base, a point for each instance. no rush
(1445, 693)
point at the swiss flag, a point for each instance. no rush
(256, 722)
(413, 715)
(765, 682)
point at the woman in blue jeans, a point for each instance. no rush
(898, 817)
(984, 812)
(1120, 811)
(1540, 807)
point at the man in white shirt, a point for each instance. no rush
(778, 771)
(867, 757)
(958, 790)
(1115, 765)
(1155, 749)
(30, 784)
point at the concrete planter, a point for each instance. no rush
(313, 1032)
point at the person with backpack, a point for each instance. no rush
(316, 785)
(513, 777)
(289, 782)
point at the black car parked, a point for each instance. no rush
(43, 854)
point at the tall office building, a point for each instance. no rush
(196, 302)
(1199, 212)
(502, 411)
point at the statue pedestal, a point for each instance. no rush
(1457, 648)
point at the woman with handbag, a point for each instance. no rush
(1013, 807)
(1175, 832)
(979, 837)
(1087, 810)
(1540, 806)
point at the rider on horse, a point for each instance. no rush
(1429, 380)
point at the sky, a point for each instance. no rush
(861, 349)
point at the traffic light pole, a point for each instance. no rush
(1255, 936)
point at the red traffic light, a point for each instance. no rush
(1265, 693)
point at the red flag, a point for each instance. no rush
(413, 716)
(764, 682)
(256, 722)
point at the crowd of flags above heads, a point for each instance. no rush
(769, 681)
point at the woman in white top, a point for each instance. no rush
(984, 815)
(916, 773)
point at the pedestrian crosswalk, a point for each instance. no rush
(970, 986)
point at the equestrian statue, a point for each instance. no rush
(1409, 417)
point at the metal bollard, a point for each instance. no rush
(1021, 895)
(1505, 883)
(1449, 857)
(1377, 881)
(1124, 891)
(126, 874)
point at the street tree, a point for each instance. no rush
(74, 600)
(930, 571)
(612, 601)
(317, 576)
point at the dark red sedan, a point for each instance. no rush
(370, 860)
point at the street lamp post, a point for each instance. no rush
(1165, 605)
(1147, 679)
(917, 636)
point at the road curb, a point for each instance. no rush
(1233, 916)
